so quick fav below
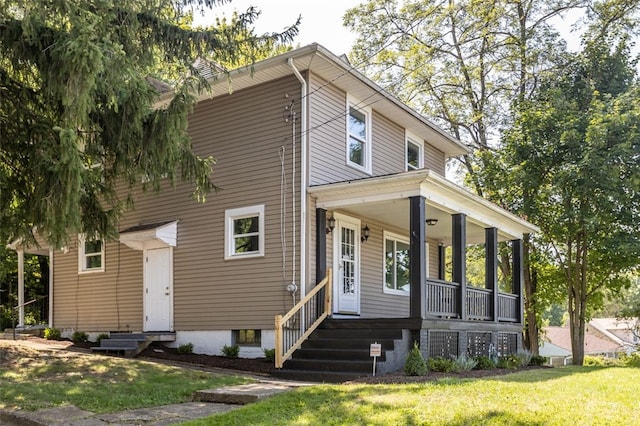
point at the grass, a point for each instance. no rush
(31, 380)
(570, 395)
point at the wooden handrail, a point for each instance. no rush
(283, 353)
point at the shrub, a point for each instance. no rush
(538, 360)
(524, 357)
(79, 336)
(269, 354)
(52, 334)
(231, 351)
(101, 336)
(442, 365)
(632, 360)
(414, 365)
(185, 349)
(483, 362)
(508, 362)
(464, 364)
(600, 361)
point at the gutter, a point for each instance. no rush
(303, 178)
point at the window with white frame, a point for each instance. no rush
(244, 232)
(396, 264)
(358, 136)
(90, 255)
(414, 152)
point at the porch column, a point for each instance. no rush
(417, 256)
(20, 288)
(459, 259)
(321, 253)
(491, 268)
(518, 275)
(441, 261)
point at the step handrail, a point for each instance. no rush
(284, 349)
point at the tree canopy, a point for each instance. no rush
(79, 128)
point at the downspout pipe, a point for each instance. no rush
(303, 178)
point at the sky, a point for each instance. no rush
(321, 20)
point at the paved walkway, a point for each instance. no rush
(206, 403)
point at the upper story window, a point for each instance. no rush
(244, 232)
(415, 152)
(358, 136)
(396, 264)
(90, 255)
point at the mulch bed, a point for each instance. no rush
(260, 366)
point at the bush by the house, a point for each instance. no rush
(483, 362)
(508, 362)
(185, 349)
(524, 357)
(231, 351)
(600, 361)
(101, 337)
(632, 360)
(464, 363)
(269, 354)
(538, 360)
(79, 337)
(52, 334)
(442, 365)
(415, 365)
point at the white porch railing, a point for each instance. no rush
(295, 326)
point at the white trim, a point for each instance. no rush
(398, 238)
(417, 141)
(366, 155)
(82, 256)
(230, 216)
(158, 237)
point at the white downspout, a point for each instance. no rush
(20, 288)
(303, 179)
(50, 288)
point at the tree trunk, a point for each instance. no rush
(576, 326)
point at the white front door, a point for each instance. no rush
(158, 289)
(346, 263)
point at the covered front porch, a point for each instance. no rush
(439, 221)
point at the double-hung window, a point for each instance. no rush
(90, 255)
(415, 152)
(358, 136)
(244, 231)
(396, 264)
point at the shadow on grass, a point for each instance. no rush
(544, 374)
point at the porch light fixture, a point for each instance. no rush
(365, 234)
(431, 222)
(331, 223)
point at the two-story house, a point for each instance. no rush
(319, 170)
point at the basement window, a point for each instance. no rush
(247, 337)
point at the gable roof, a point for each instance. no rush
(339, 73)
(593, 342)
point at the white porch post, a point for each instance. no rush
(20, 288)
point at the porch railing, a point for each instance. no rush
(507, 307)
(479, 303)
(442, 300)
(295, 326)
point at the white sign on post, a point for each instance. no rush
(375, 350)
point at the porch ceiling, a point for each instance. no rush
(385, 199)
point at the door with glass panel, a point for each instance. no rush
(346, 263)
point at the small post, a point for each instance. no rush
(375, 350)
(279, 341)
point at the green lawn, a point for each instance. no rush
(561, 396)
(32, 380)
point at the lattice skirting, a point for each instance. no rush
(449, 343)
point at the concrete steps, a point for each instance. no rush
(130, 344)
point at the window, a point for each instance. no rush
(415, 152)
(396, 264)
(247, 337)
(244, 230)
(359, 137)
(90, 255)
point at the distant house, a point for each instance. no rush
(320, 170)
(603, 337)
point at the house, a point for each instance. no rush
(557, 342)
(322, 173)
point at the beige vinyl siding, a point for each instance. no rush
(98, 301)
(434, 159)
(388, 146)
(245, 132)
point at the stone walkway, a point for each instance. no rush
(206, 403)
